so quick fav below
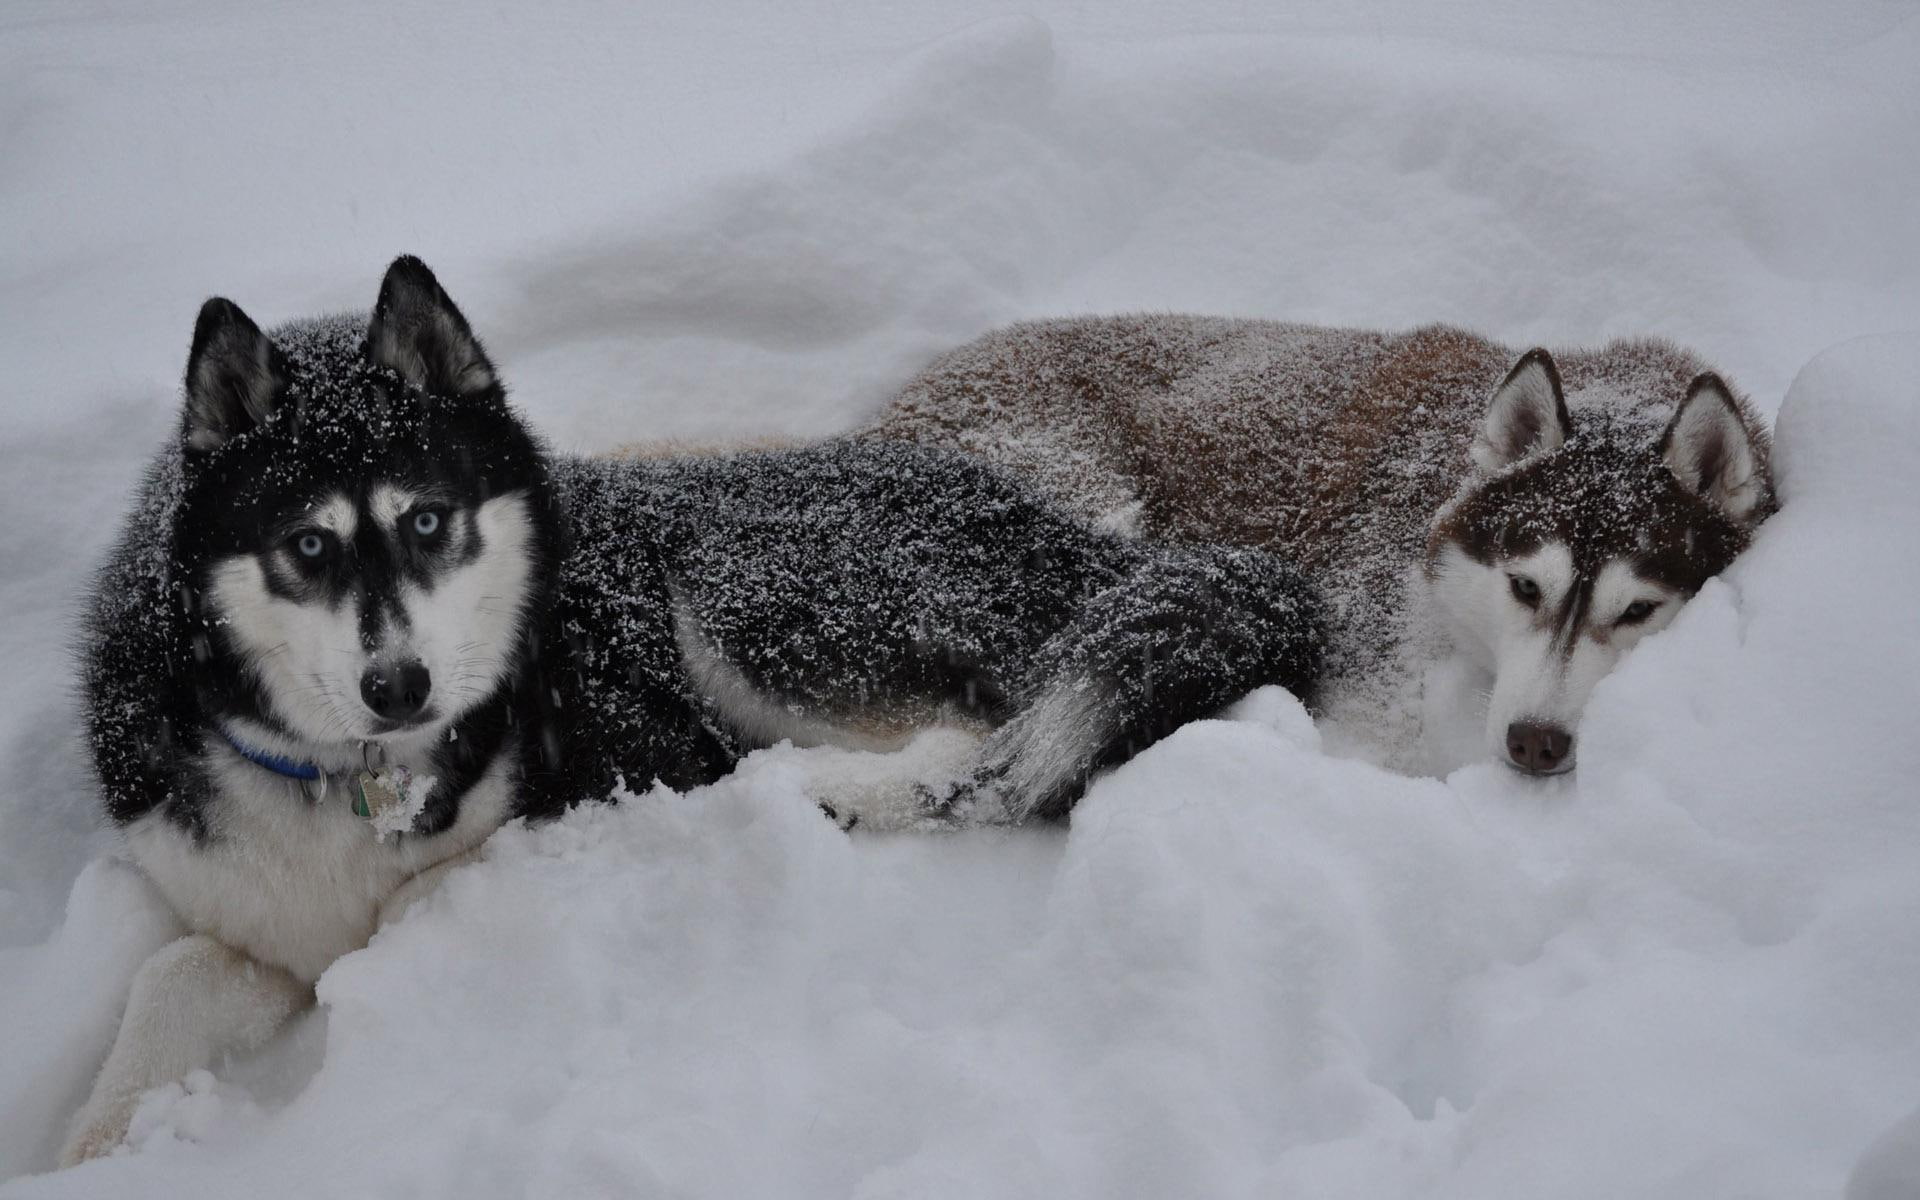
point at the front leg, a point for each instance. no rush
(192, 1001)
(420, 886)
(891, 790)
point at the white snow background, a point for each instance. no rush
(1248, 969)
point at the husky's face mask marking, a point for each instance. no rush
(388, 629)
(366, 549)
(1578, 538)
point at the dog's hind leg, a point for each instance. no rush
(192, 1001)
(1187, 632)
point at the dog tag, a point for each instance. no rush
(391, 798)
(377, 793)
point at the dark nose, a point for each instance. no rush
(1538, 749)
(397, 692)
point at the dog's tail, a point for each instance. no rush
(1188, 631)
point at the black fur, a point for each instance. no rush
(1188, 630)
(853, 576)
(842, 579)
(235, 375)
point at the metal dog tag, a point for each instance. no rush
(377, 793)
(391, 798)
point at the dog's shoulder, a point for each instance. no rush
(137, 660)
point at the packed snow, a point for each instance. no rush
(1247, 967)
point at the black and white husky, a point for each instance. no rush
(359, 619)
(1530, 517)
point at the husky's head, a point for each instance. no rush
(365, 526)
(1573, 539)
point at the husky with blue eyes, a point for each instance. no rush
(1526, 517)
(360, 618)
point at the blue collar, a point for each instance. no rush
(272, 762)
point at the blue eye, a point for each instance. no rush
(311, 545)
(427, 523)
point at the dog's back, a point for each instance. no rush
(1245, 431)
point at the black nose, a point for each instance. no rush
(397, 692)
(1538, 749)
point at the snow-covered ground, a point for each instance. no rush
(1691, 970)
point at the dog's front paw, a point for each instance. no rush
(98, 1131)
(843, 824)
(944, 803)
(974, 799)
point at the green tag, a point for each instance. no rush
(379, 792)
(391, 798)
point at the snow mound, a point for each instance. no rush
(1846, 411)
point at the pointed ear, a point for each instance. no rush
(1713, 453)
(418, 332)
(234, 375)
(1527, 416)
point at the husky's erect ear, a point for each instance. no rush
(1712, 452)
(1528, 414)
(418, 332)
(234, 375)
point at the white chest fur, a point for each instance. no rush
(292, 881)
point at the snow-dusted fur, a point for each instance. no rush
(354, 554)
(1414, 476)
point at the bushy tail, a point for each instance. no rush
(1190, 630)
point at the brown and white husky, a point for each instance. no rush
(1531, 517)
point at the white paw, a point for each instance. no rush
(98, 1130)
(876, 792)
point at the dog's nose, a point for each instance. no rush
(396, 692)
(1538, 749)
